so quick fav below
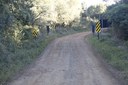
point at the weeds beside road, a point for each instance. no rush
(113, 51)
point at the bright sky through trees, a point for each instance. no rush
(96, 2)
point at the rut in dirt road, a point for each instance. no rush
(67, 61)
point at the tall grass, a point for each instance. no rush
(115, 55)
(13, 62)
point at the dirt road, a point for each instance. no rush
(67, 61)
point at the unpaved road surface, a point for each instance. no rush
(67, 61)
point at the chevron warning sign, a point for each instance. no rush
(98, 27)
(35, 32)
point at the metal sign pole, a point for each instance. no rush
(98, 35)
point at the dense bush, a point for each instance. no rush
(119, 18)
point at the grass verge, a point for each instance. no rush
(112, 53)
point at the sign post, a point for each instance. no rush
(98, 29)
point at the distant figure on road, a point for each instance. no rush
(93, 28)
(48, 29)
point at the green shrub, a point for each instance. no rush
(116, 57)
(12, 62)
(119, 18)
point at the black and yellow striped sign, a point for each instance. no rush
(35, 32)
(98, 27)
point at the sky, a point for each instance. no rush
(96, 2)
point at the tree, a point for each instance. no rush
(119, 18)
(93, 11)
(15, 15)
(57, 11)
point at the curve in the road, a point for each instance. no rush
(67, 61)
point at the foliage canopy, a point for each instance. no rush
(119, 18)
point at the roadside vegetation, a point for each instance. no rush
(13, 61)
(114, 52)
